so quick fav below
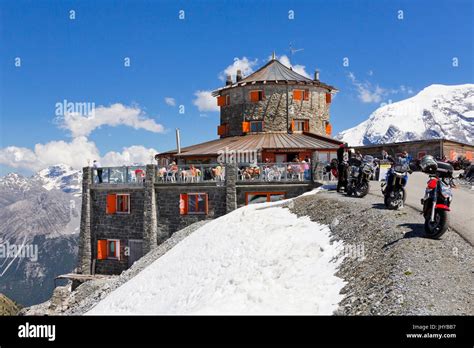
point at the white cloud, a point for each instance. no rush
(78, 153)
(205, 101)
(114, 115)
(243, 64)
(18, 157)
(170, 101)
(135, 154)
(300, 69)
(74, 153)
(367, 93)
(370, 93)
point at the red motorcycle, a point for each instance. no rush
(438, 196)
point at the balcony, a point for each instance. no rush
(190, 173)
(275, 172)
(128, 175)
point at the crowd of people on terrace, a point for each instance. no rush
(191, 172)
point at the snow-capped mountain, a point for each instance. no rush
(438, 111)
(62, 177)
(41, 212)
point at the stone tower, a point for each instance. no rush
(274, 99)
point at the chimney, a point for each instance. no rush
(239, 75)
(178, 141)
(316, 75)
(228, 80)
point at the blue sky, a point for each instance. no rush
(82, 60)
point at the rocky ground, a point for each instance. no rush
(389, 267)
(7, 306)
(399, 271)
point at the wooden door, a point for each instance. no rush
(135, 247)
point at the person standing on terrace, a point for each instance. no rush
(97, 167)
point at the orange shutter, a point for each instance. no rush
(306, 126)
(254, 96)
(469, 155)
(221, 100)
(207, 204)
(183, 204)
(292, 125)
(328, 98)
(111, 206)
(221, 130)
(306, 94)
(328, 129)
(245, 127)
(297, 94)
(101, 249)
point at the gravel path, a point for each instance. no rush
(399, 272)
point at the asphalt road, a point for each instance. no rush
(462, 206)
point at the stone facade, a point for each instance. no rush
(272, 110)
(121, 226)
(85, 251)
(155, 212)
(169, 219)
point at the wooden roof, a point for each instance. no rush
(261, 141)
(274, 72)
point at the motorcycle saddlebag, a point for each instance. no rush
(445, 170)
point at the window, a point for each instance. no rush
(256, 126)
(223, 129)
(118, 203)
(245, 127)
(223, 100)
(300, 94)
(306, 94)
(262, 197)
(300, 125)
(256, 96)
(108, 249)
(328, 98)
(193, 203)
(328, 128)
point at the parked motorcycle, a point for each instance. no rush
(438, 196)
(359, 176)
(393, 189)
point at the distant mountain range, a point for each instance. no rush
(438, 111)
(40, 217)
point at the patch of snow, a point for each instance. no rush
(259, 259)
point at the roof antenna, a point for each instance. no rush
(294, 50)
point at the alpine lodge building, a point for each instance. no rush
(276, 114)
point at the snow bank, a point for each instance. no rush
(259, 259)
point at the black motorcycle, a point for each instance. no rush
(360, 173)
(394, 189)
(437, 200)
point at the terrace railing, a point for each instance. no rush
(133, 175)
(274, 172)
(190, 173)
